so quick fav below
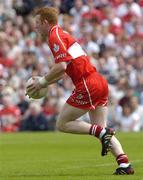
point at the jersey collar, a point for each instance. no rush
(52, 29)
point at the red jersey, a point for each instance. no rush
(65, 49)
(91, 88)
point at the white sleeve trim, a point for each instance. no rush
(60, 38)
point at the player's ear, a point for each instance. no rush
(45, 22)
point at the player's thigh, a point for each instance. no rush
(99, 116)
(70, 113)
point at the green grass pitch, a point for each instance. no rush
(54, 156)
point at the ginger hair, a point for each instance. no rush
(48, 13)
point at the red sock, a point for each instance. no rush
(95, 130)
(122, 158)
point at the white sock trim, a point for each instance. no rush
(124, 165)
(94, 129)
(102, 133)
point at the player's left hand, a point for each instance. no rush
(34, 87)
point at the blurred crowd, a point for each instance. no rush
(110, 31)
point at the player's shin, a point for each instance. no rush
(122, 159)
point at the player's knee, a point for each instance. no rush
(60, 126)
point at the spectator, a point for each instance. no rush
(129, 121)
(137, 108)
(2, 86)
(50, 111)
(23, 7)
(9, 115)
(34, 119)
(23, 104)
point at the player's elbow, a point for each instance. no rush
(62, 66)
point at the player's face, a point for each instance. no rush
(39, 26)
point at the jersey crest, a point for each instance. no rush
(56, 48)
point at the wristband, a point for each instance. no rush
(43, 81)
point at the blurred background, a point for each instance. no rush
(110, 31)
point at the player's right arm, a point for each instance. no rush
(56, 73)
(58, 43)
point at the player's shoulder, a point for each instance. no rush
(60, 36)
(57, 32)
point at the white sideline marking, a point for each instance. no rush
(74, 167)
(98, 165)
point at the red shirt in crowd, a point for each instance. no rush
(10, 118)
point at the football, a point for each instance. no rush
(39, 94)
